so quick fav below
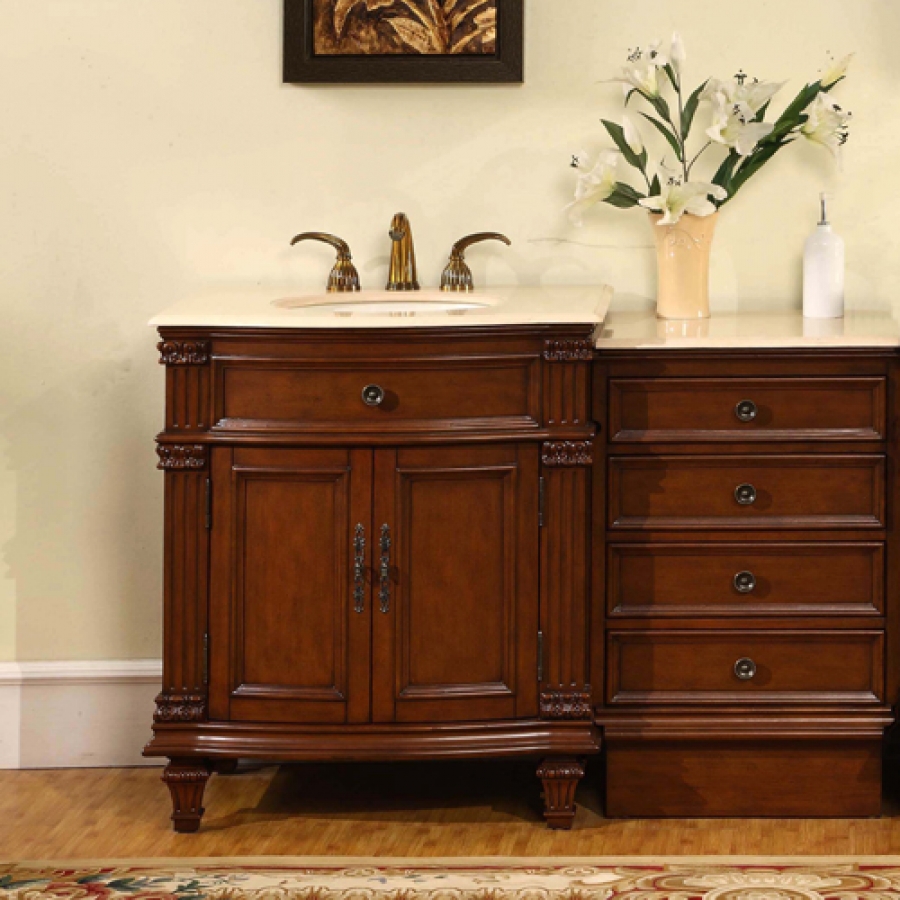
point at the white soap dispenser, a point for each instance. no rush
(823, 271)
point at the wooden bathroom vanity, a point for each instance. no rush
(378, 538)
(509, 533)
(745, 563)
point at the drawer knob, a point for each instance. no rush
(373, 395)
(746, 411)
(745, 669)
(745, 582)
(745, 494)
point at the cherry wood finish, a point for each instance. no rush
(704, 579)
(405, 580)
(750, 778)
(186, 780)
(321, 395)
(706, 409)
(560, 778)
(791, 491)
(456, 640)
(683, 734)
(286, 643)
(826, 667)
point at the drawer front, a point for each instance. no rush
(648, 667)
(746, 492)
(416, 394)
(745, 579)
(747, 409)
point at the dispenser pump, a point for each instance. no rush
(823, 271)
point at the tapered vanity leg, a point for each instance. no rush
(186, 780)
(560, 778)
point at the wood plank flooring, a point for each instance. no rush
(438, 809)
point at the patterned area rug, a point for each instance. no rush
(646, 878)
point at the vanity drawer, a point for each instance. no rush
(410, 395)
(735, 492)
(747, 409)
(652, 667)
(669, 580)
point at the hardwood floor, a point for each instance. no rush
(440, 809)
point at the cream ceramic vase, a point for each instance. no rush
(682, 253)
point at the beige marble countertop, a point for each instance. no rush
(632, 325)
(280, 307)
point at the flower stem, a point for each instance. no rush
(703, 150)
(679, 131)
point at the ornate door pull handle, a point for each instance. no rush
(384, 595)
(359, 570)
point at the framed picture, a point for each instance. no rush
(405, 41)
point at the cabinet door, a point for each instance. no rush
(455, 609)
(290, 632)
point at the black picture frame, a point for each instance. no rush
(303, 66)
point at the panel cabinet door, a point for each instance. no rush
(455, 593)
(290, 627)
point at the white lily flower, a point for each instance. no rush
(828, 124)
(750, 91)
(596, 183)
(632, 133)
(733, 126)
(677, 54)
(642, 72)
(678, 198)
(644, 79)
(837, 69)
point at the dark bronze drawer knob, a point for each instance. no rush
(373, 395)
(745, 582)
(745, 669)
(746, 411)
(745, 494)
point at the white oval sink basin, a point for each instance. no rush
(385, 303)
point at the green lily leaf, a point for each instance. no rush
(690, 110)
(673, 78)
(725, 174)
(666, 133)
(660, 105)
(617, 133)
(624, 196)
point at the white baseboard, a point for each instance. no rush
(59, 715)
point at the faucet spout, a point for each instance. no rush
(403, 274)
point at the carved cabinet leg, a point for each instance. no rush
(560, 778)
(186, 779)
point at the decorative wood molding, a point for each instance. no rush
(176, 708)
(568, 453)
(569, 705)
(183, 353)
(560, 779)
(569, 351)
(181, 456)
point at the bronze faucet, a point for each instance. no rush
(403, 275)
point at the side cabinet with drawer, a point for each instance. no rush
(377, 548)
(745, 577)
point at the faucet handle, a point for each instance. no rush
(458, 276)
(343, 278)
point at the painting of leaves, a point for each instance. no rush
(410, 27)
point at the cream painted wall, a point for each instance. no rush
(148, 148)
